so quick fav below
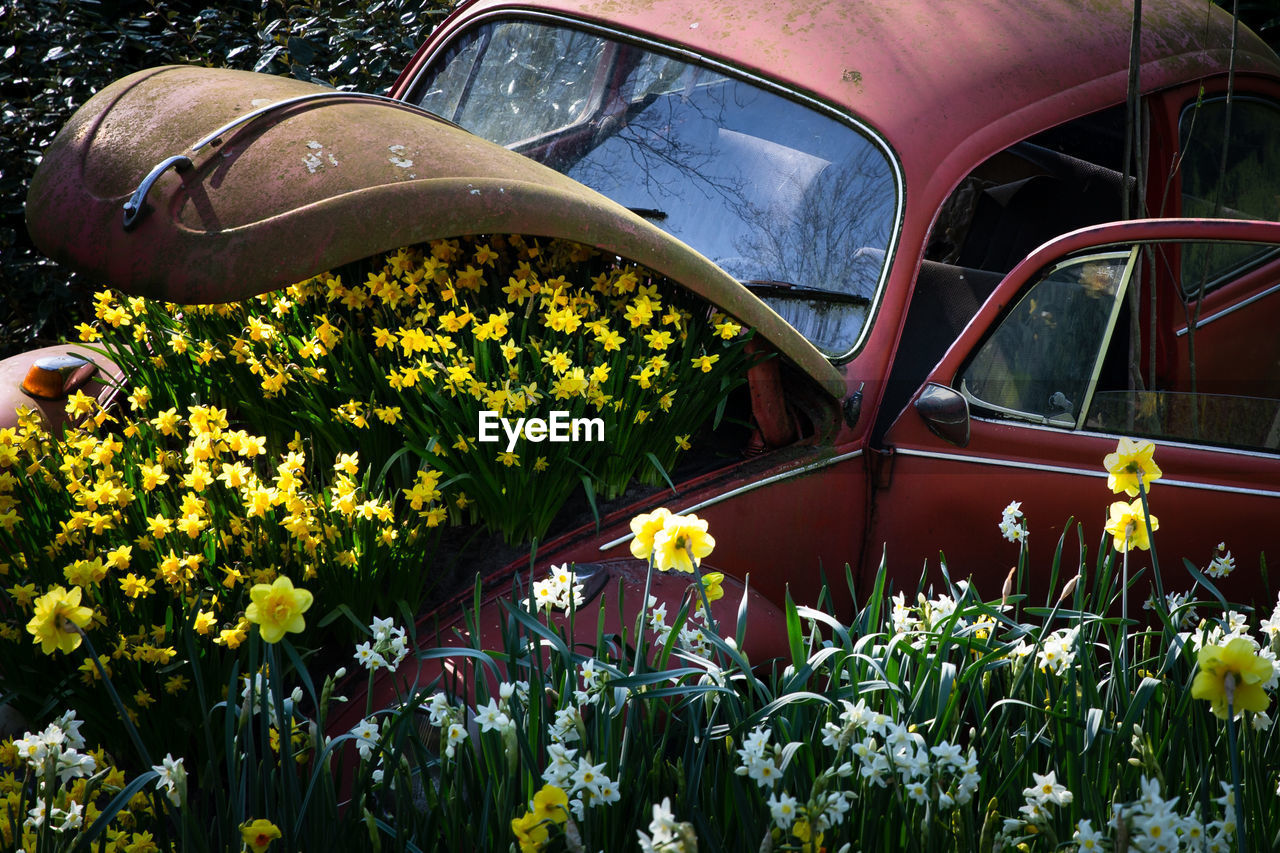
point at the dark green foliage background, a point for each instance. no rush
(54, 55)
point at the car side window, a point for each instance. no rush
(1245, 186)
(1044, 360)
(1061, 356)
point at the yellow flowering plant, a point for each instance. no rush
(1230, 677)
(400, 355)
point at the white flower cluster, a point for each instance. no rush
(1154, 825)
(693, 636)
(366, 734)
(928, 619)
(387, 649)
(171, 778)
(1035, 814)
(666, 834)
(593, 678)
(449, 719)
(57, 748)
(1222, 563)
(1013, 526)
(586, 784)
(559, 590)
(1057, 652)
(59, 743)
(1184, 617)
(884, 753)
(759, 759)
(938, 774)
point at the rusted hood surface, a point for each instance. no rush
(305, 188)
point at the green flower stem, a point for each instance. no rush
(1241, 833)
(1161, 603)
(1124, 608)
(642, 623)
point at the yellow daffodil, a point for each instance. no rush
(681, 543)
(551, 803)
(57, 613)
(258, 835)
(1232, 674)
(277, 608)
(645, 527)
(1132, 462)
(530, 832)
(705, 362)
(1128, 527)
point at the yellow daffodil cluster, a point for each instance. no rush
(1131, 469)
(672, 542)
(550, 808)
(407, 350)
(142, 524)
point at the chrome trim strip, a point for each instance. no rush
(215, 138)
(1116, 436)
(1105, 344)
(1062, 469)
(696, 58)
(750, 487)
(1204, 321)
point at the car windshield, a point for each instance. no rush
(794, 203)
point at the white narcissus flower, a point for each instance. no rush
(783, 807)
(1086, 837)
(491, 717)
(1047, 789)
(172, 778)
(366, 735)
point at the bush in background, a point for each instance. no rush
(54, 54)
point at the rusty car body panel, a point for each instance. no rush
(336, 178)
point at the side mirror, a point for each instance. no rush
(946, 412)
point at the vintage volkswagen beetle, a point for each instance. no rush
(916, 205)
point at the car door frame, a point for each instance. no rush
(935, 493)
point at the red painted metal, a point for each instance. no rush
(103, 384)
(937, 490)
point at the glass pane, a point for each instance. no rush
(1042, 359)
(774, 192)
(532, 80)
(1248, 189)
(1220, 419)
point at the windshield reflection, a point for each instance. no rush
(767, 188)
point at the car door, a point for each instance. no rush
(1070, 353)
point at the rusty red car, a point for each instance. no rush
(986, 240)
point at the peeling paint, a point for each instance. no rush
(315, 145)
(396, 160)
(313, 163)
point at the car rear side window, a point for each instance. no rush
(1246, 185)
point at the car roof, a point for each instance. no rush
(931, 76)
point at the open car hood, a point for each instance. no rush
(240, 183)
